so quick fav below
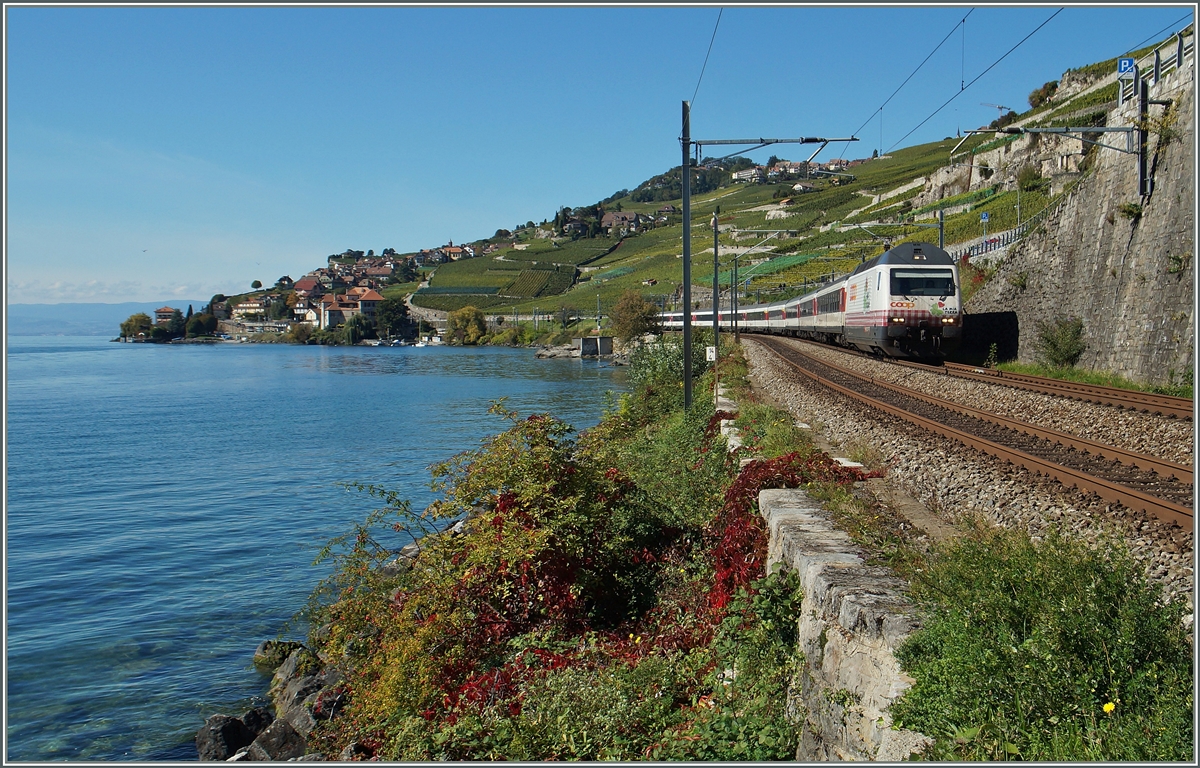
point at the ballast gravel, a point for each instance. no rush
(958, 483)
(1154, 435)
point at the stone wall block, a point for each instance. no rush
(852, 618)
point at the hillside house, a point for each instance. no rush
(623, 220)
(163, 315)
(754, 174)
(250, 309)
(332, 311)
(307, 286)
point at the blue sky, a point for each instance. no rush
(177, 152)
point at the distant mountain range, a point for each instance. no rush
(83, 319)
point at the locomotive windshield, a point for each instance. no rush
(922, 282)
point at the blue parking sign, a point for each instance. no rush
(1124, 65)
(983, 216)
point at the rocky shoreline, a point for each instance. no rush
(304, 691)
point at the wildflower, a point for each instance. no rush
(1109, 707)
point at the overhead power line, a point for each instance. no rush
(710, 45)
(914, 72)
(1155, 36)
(981, 74)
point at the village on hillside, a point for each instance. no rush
(351, 284)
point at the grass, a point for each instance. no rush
(1047, 651)
(1181, 387)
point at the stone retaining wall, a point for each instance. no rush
(852, 619)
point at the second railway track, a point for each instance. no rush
(1139, 482)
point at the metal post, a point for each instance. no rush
(716, 304)
(1144, 184)
(686, 171)
(733, 290)
(597, 313)
(942, 228)
(1179, 50)
(1157, 66)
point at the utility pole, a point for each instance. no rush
(686, 170)
(686, 143)
(597, 313)
(716, 285)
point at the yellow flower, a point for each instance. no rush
(1109, 707)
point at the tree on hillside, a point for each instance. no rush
(137, 323)
(1043, 94)
(201, 325)
(633, 316)
(466, 325)
(358, 327)
(407, 272)
(176, 326)
(256, 285)
(391, 316)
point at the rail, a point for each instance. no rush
(1110, 490)
(1166, 405)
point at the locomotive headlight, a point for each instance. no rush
(897, 319)
(947, 321)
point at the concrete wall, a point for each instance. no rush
(852, 618)
(1129, 278)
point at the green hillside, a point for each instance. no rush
(816, 234)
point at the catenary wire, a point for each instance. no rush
(914, 72)
(981, 74)
(1153, 37)
(710, 45)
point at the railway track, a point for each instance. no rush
(1146, 402)
(1144, 483)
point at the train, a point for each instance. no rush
(903, 303)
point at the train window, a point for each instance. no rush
(922, 282)
(830, 302)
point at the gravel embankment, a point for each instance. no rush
(1151, 434)
(957, 483)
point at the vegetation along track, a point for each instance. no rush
(1144, 483)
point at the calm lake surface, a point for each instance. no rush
(164, 505)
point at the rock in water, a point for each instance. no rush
(257, 720)
(271, 653)
(278, 743)
(221, 737)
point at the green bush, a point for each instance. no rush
(1059, 342)
(661, 361)
(1046, 651)
(745, 715)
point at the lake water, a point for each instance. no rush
(165, 503)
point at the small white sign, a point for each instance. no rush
(711, 354)
(1124, 65)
